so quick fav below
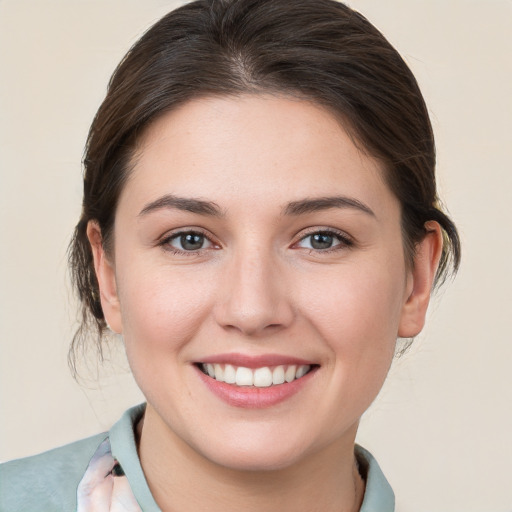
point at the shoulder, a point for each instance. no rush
(47, 481)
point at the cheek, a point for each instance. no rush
(357, 312)
(162, 311)
(161, 308)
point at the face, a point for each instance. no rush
(258, 279)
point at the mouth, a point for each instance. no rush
(260, 377)
(255, 381)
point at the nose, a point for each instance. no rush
(255, 299)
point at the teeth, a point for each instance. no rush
(301, 371)
(219, 372)
(244, 377)
(278, 375)
(263, 377)
(260, 377)
(229, 374)
(289, 375)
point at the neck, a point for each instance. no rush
(181, 480)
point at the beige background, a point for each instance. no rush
(442, 427)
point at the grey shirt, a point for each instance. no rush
(48, 482)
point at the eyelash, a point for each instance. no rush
(165, 243)
(344, 241)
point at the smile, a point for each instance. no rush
(262, 377)
(255, 382)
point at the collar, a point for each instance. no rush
(115, 477)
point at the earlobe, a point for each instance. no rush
(105, 274)
(420, 281)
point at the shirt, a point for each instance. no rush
(103, 473)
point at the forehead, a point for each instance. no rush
(256, 146)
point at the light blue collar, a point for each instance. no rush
(378, 497)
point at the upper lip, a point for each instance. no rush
(251, 361)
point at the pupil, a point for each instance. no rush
(321, 241)
(191, 241)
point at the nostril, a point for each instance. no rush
(253, 329)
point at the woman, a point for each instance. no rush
(260, 223)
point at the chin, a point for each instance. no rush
(254, 459)
(267, 447)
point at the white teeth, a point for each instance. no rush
(219, 373)
(278, 375)
(301, 371)
(263, 378)
(259, 377)
(244, 376)
(229, 374)
(290, 373)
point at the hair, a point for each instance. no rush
(318, 50)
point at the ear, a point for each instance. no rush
(105, 274)
(420, 281)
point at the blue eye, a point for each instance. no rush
(323, 241)
(189, 241)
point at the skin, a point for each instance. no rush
(258, 286)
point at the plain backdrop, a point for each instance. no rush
(441, 428)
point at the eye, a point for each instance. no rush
(188, 241)
(324, 240)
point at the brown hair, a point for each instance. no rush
(320, 50)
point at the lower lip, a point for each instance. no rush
(251, 397)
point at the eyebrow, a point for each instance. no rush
(324, 203)
(192, 205)
(211, 209)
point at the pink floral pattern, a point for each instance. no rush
(104, 487)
